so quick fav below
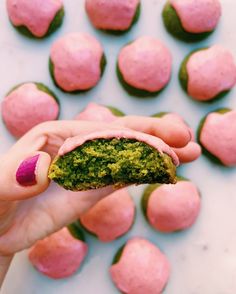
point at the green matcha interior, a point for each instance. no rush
(118, 162)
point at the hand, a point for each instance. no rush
(26, 216)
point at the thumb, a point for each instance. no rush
(24, 177)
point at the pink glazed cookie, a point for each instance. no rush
(113, 15)
(144, 66)
(140, 267)
(111, 217)
(28, 105)
(58, 256)
(77, 62)
(217, 135)
(96, 112)
(191, 20)
(35, 18)
(207, 73)
(170, 208)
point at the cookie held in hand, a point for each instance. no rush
(113, 157)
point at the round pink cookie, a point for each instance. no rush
(145, 64)
(59, 255)
(36, 15)
(198, 16)
(173, 207)
(210, 72)
(96, 112)
(111, 14)
(142, 268)
(111, 217)
(218, 136)
(27, 106)
(77, 62)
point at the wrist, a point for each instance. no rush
(5, 261)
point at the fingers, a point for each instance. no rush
(171, 130)
(24, 176)
(189, 153)
(49, 136)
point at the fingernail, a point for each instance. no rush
(25, 174)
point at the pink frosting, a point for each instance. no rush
(76, 58)
(142, 268)
(74, 142)
(96, 112)
(111, 14)
(145, 64)
(198, 16)
(59, 255)
(173, 207)
(210, 72)
(111, 217)
(36, 15)
(218, 136)
(26, 107)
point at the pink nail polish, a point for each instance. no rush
(25, 174)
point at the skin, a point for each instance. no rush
(26, 216)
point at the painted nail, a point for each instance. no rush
(25, 174)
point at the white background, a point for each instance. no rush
(203, 259)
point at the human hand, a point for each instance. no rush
(25, 216)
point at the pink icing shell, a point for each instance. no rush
(142, 268)
(96, 112)
(210, 72)
(59, 255)
(36, 15)
(173, 207)
(111, 217)
(198, 16)
(26, 107)
(74, 142)
(218, 136)
(111, 14)
(76, 58)
(145, 64)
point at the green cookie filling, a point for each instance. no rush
(55, 24)
(119, 162)
(209, 155)
(103, 64)
(174, 26)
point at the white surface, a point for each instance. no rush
(203, 258)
